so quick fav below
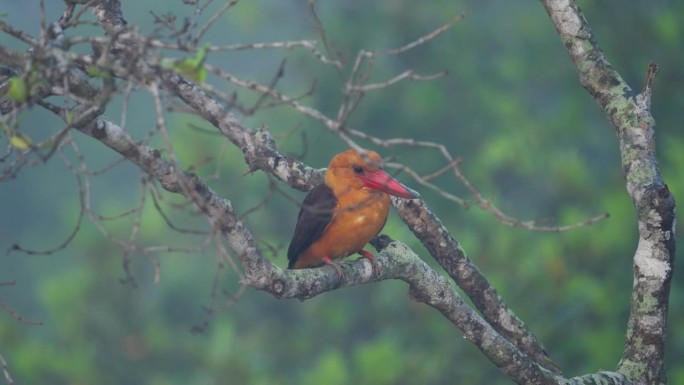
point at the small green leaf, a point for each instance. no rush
(17, 89)
(97, 72)
(198, 60)
(69, 117)
(93, 71)
(19, 141)
(196, 74)
(47, 144)
(190, 67)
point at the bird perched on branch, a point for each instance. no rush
(339, 217)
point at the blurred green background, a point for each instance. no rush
(530, 137)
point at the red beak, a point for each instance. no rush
(382, 181)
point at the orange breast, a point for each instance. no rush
(359, 216)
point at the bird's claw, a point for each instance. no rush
(335, 265)
(369, 256)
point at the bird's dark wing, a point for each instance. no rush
(315, 215)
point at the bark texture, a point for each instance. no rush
(630, 114)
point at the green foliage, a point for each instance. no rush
(17, 89)
(19, 141)
(329, 369)
(379, 362)
(98, 72)
(191, 67)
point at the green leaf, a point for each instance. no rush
(196, 74)
(95, 72)
(17, 90)
(69, 117)
(331, 369)
(191, 67)
(198, 60)
(19, 141)
(46, 144)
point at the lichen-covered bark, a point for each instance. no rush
(258, 146)
(448, 252)
(630, 114)
(396, 261)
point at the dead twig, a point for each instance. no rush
(5, 371)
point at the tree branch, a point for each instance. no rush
(5, 371)
(260, 153)
(396, 261)
(630, 114)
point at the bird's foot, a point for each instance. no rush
(368, 255)
(335, 265)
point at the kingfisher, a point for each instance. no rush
(340, 216)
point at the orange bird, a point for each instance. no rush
(340, 216)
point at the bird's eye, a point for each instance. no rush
(358, 170)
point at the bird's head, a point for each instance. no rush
(349, 170)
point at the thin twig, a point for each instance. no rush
(406, 75)
(5, 371)
(212, 20)
(423, 39)
(18, 34)
(321, 32)
(153, 193)
(67, 240)
(650, 75)
(7, 308)
(424, 182)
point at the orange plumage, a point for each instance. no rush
(339, 217)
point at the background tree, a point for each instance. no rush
(168, 94)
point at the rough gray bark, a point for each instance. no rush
(395, 259)
(630, 114)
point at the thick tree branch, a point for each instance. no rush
(396, 261)
(630, 114)
(448, 252)
(260, 153)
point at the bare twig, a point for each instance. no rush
(132, 238)
(406, 75)
(42, 22)
(480, 200)
(650, 75)
(18, 34)
(67, 240)
(5, 371)
(68, 18)
(212, 20)
(169, 223)
(339, 64)
(276, 77)
(308, 111)
(7, 308)
(423, 39)
(424, 182)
